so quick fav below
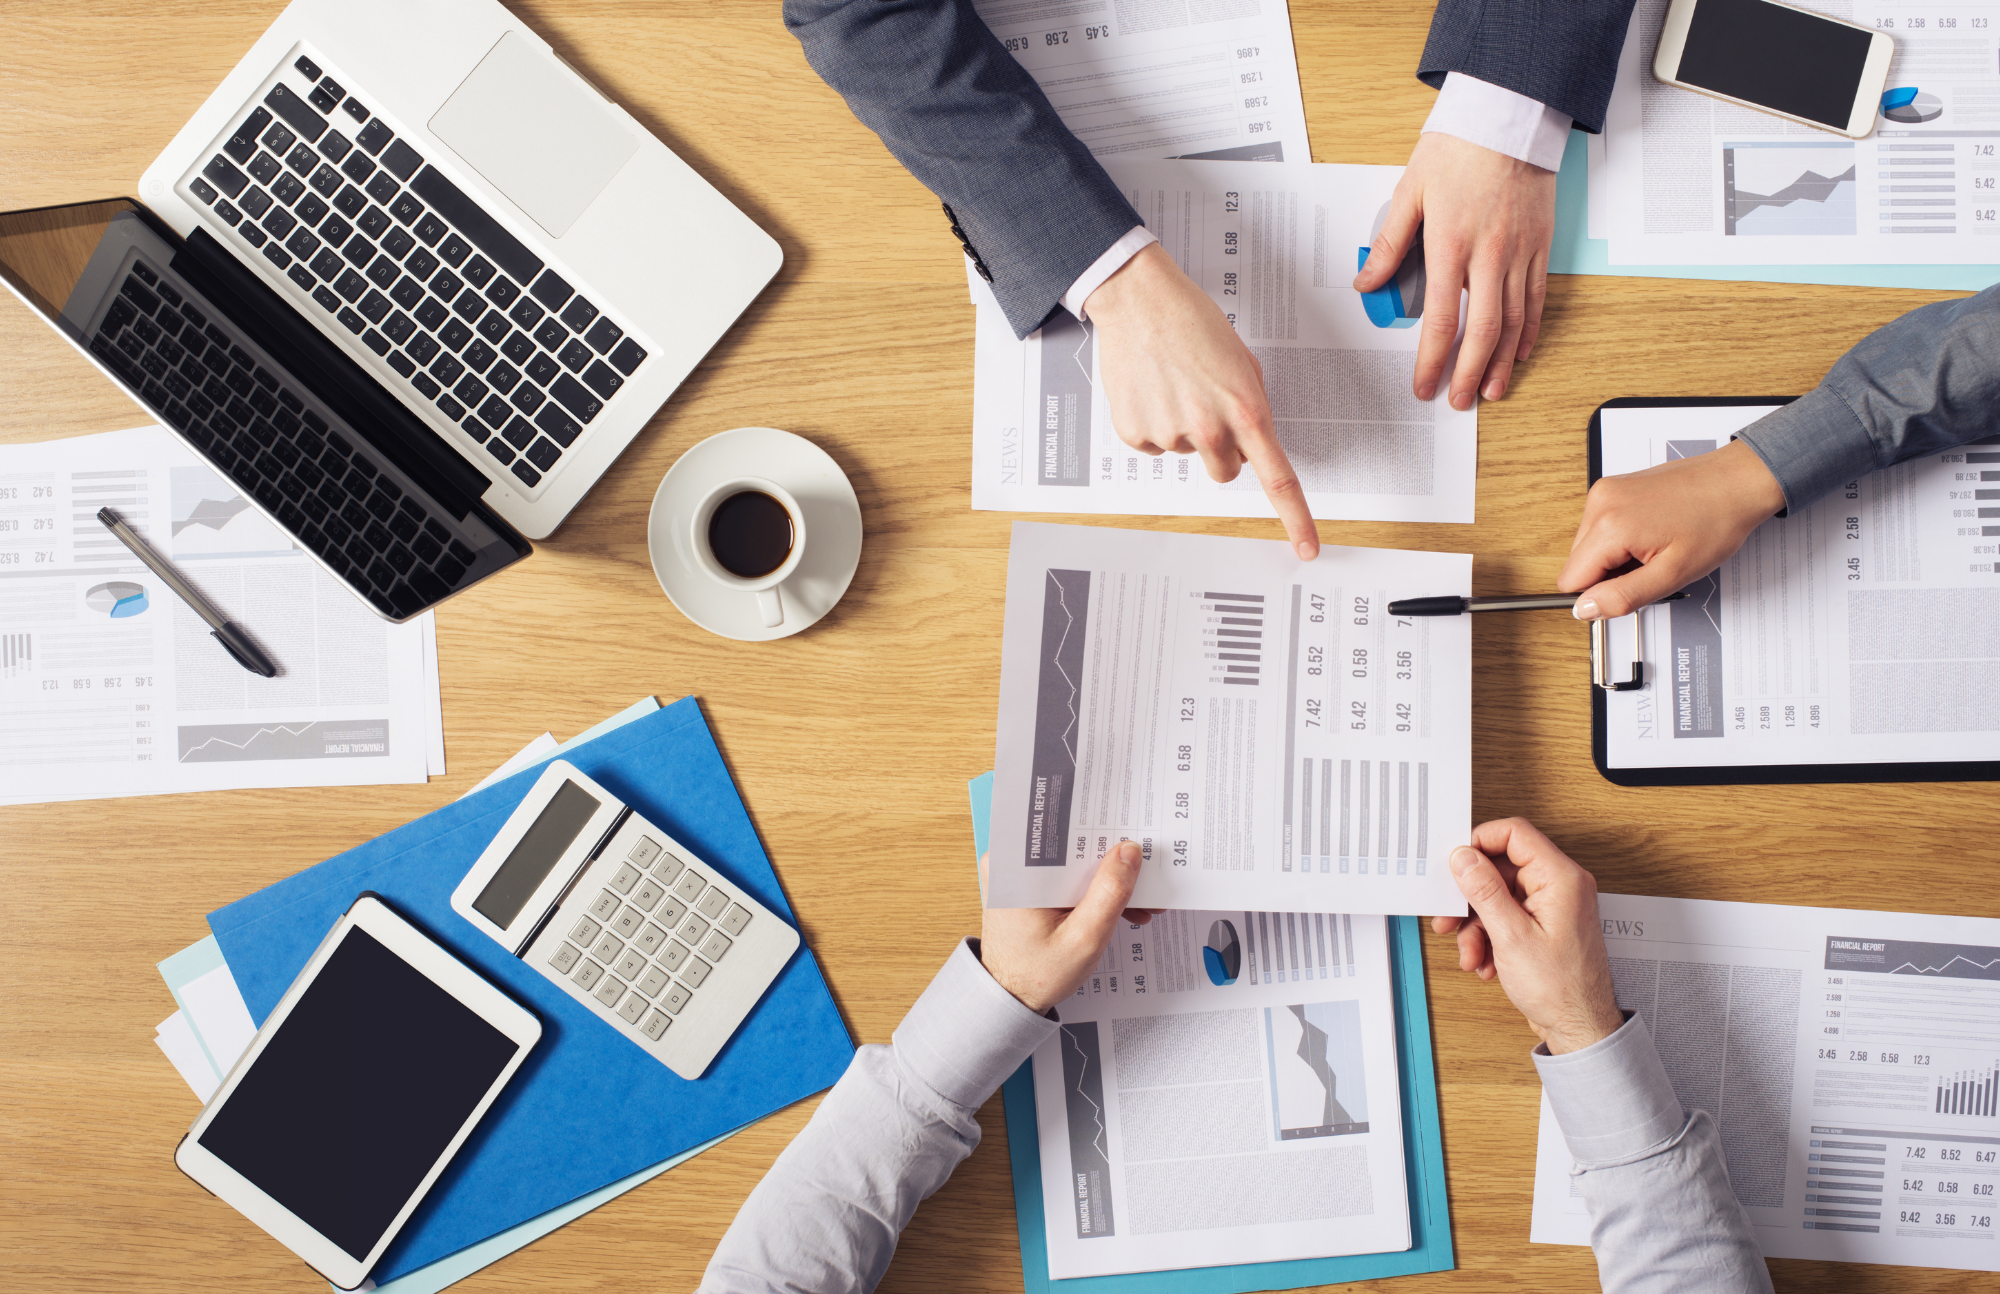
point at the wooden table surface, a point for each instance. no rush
(864, 345)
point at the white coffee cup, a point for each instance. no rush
(763, 587)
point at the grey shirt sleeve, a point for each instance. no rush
(826, 1217)
(1662, 1217)
(1925, 383)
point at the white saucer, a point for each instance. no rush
(833, 531)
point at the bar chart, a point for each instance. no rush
(1234, 636)
(1365, 815)
(1968, 1092)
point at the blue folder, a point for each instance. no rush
(1423, 1155)
(588, 1107)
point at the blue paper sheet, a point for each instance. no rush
(587, 1108)
(1573, 252)
(1423, 1154)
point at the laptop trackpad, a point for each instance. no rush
(536, 132)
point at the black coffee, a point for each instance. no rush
(750, 533)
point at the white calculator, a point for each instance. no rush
(661, 946)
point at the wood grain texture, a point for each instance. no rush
(863, 344)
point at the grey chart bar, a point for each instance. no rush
(1319, 938)
(1232, 597)
(1305, 818)
(1382, 845)
(1403, 818)
(16, 651)
(1325, 815)
(1333, 929)
(1361, 836)
(1346, 784)
(1347, 923)
(1423, 815)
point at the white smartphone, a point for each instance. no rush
(369, 1075)
(1786, 61)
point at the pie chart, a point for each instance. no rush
(1222, 955)
(117, 599)
(1909, 106)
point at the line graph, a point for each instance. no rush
(251, 742)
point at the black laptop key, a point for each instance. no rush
(529, 476)
(227, 212)
(424, 347)
(280, 222)
(203, 190)
(216, 391)
(503, 377)
(381, 505)
(446, 369)
(337, 530)
(447, 285)
(528, 397)
(479, 271)
(222, 455)
(428, 586)
(355, 109)
(374, 222)
(578, 314)
(543, 454)
(357, 549)
(354, 323)
(478, 357)
(599, 378)
(285, 452)
(498, 448)
(224, 176)
(405, 208)
(335, 231)
(264, 166)
(469, 306)
(334, 147)
(399, 326)
(561, 428)
(350, 286)
(525, 313)
(451, 408)
(243, 144)
(267, 494)
(326, 95)
(313, 475)
(252, 235)
(279, 140)
(244, 473)
(454, 335)
(432, 314)
(140, 295)
(375, 341)
(177, 385)
(288, 189)
(494, 411)
(327, 264)
(471, 390)
(263, 403)
(383, 271)
(325, 181)
(402, 160)
(120, 314)
(551, 290)
(288, 427)
(303, 245)
(520, 433)
(402, 363)
(265, 380)
(541, 368)
(408, 293)
(603, 335)
(303, 160)
(267, 465)
(397, 242)
(302, 276)
(404, 530)
(551, 334)
(471, 220)
(502, 292)
(310, 210)
(381, 572)
(374, 308)
(477, 430)
(295, 112)
(494, 327)
(307, 68)
(359, 251)
(199, 402)
(374, 135)
(574, 356)
(430, 229)
(518, 348)
(350, 202)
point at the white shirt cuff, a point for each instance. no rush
(1482, 113)
(1612, 1099)
(1135, 241)
(966, 1034)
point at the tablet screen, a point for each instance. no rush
(363, 1087)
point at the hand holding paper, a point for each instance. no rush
(1040, 955)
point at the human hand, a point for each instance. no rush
(1040, 955)
(1680, 519)
(1180, 380)
(1535, 926)
(1486, 220)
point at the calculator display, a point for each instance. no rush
(529, 865)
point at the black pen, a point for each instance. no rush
(1452, 606)
(233, 640)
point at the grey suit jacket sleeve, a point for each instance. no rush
(1561, 53)
(1920, 385)
(933, 81)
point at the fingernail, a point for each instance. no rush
(1461, 858)
(1427, 390)
(1585, 609)
(1461, 400)
(1129, 853)
(1495, 389)
(1306, 551)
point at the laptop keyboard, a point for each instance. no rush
(466, 314)
(252, 425)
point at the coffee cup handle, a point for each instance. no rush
(773, 609)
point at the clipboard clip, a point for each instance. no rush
(1600, 661)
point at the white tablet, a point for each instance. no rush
(376, 1065)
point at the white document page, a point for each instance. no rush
(1223, 1090)
(1851, 1061)
(175, 1037)
(110, 685)
(1862, 629)
(1266, 732)
(1695, 181)
(1276, 246)
(1140, 78)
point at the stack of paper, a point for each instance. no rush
(111, 686)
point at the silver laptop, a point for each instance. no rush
(438, 268)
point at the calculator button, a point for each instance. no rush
(656, 1024)
(735, 919)
(695, 972)
(677, 997)
(671, 912)
(690, 887)
(628, 923)
(647, 895)
(604, 905)
(632, 965)
(587, 974)
(634, 1007)
(627, 877)
(655, 980)
(650, 940)
(717, 944)
(608, 948)
(585, 931)
(712, 903)
(644, 852)
(692, 929)
(565, 958)
(676, 953)
(669, 868)
(609, 990)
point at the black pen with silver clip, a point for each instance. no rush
(1452, 606)
(233, 640)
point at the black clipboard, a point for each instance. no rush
(1747, 774)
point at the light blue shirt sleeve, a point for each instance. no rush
(1662, 1217)
(826, 1218)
